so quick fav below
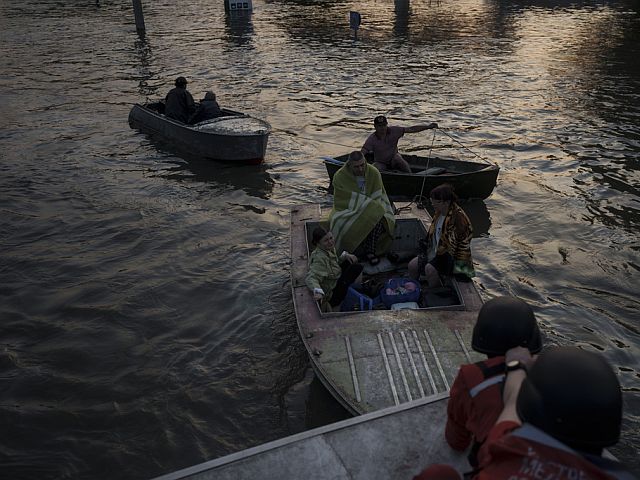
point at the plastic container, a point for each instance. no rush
(355, 301)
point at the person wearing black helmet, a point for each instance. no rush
(476, 394)
(179, 103)
(560, 412)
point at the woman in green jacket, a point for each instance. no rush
(330, 276)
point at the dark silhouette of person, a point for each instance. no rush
(475, 400)
(207, 109)
(179, 103)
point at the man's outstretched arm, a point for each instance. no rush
(420, 128)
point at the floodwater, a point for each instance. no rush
(146, 316)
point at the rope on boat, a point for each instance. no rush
(424, 178)
(465, 147)
(419, 200)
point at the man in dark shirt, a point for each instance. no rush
(179, 103)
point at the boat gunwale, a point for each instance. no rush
(307, 434)
(488, 167)
(478, 182)
(460, 306)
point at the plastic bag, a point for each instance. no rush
(400, 290)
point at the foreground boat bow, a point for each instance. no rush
(381, 358)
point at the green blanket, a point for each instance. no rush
(355, 214)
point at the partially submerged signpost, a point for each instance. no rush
(354, 23)
(137, 11)
(231, 5)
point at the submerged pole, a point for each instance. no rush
(354, 22)
(137, 11)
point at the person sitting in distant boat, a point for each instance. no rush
(362, 217)
(447, 248)
(207, 109)
(383, 144)
(330, 276)
(179, 103)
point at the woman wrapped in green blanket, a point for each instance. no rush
(362, 217)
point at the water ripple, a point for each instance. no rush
(147, 317)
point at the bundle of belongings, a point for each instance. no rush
(398, 292)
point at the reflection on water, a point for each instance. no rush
(239, 28)
(322, 408)
(145, 67)
(147, 314)
(255, 180)
(402, 9)
(479, 216)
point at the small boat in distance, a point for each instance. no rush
(231, 137)
(469, 179)
(374, 359)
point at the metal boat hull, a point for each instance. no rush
(392, 443)
(469, 179)
(247, 148)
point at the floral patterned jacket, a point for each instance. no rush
(455, 239)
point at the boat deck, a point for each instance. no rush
(395, 443)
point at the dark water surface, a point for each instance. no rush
(146, 314)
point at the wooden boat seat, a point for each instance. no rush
(432, 171)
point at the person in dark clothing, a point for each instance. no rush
(179, 103)
(207, 109)
(475, 400)
(560, 412)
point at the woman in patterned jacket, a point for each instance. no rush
(447, 249)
